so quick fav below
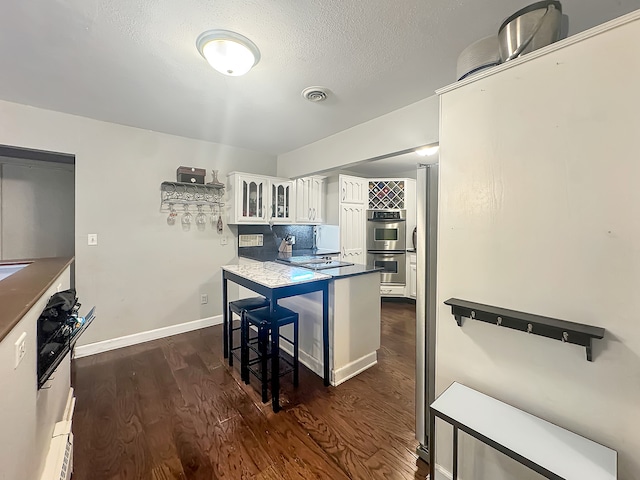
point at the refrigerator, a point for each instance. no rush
(427, 223)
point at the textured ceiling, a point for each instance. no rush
(134, 62)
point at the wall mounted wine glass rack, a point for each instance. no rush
(568, 332)
(191, 194)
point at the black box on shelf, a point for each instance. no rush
(191, 175)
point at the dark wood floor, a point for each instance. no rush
(172, 409)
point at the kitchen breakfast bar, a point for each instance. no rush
(347, 331)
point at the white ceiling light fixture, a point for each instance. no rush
(228, 52)
(427, 151)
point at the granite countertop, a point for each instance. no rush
(268, 255)
(263, 255)
(273, 275)
(20, 291)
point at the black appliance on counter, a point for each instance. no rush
(59, 327)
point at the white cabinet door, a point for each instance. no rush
(303, 199)
(250, 198)
(353, 189)
(316, 201)
(309, 200)
(282, 201)
(352, 233)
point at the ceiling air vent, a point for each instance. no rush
(315, 94)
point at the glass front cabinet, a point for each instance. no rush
(282, 201)
(256, 199)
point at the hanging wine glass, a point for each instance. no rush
(171, 219)
(186, 218)
(201, 219)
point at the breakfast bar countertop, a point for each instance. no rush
(20, 291)
(272, 274)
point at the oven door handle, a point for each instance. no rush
(389, 220)
(386, 254)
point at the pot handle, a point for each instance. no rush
(526, 43)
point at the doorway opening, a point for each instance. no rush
(37, 204)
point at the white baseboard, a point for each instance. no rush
(134, 339)
(442, 474)
(336, 376)
(352, 369)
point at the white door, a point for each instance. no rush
(352, 233)
(37, 208)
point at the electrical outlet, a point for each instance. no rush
(92, 239)
(21, 348)
(204, 299)
(223, 240)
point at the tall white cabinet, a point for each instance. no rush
(353, 219)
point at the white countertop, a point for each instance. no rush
(560, 451)
(273, 275)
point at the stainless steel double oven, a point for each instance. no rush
(387, 244)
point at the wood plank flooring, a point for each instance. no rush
(173, 409)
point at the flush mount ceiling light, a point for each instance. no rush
(228, 52)
(427, 151)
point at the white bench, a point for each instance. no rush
(550, 450)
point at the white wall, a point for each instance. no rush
(538, 212)
(36, 209)
(402, 129)
(28, 415)
(143, 274)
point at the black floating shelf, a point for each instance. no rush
(569, 332)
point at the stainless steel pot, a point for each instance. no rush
(530, 28)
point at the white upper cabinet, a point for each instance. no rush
(249, 196)
(259, 199)
(353, 190)
(282, 203)
(310, 199)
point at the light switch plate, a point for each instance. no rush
(21, 349)
(92, 239)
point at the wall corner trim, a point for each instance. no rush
(141, 337)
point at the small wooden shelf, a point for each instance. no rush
(569, 332)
